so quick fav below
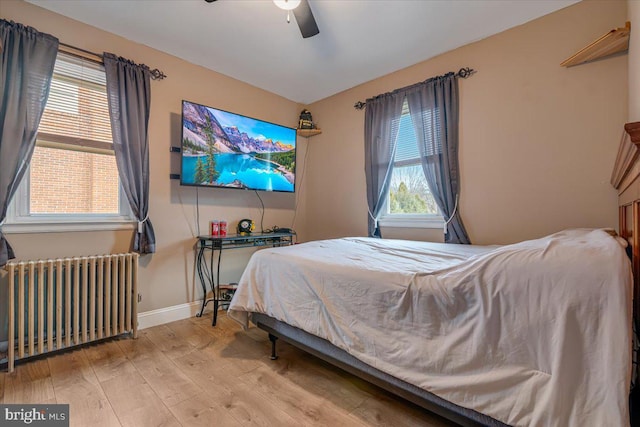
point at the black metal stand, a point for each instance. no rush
(273, 340)
(210, 279)
(209, 267)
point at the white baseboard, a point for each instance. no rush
(164, 315)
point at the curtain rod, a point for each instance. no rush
(156, 74)
(462, 73)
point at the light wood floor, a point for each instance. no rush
(191, 374)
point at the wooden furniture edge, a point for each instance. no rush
(628, 152)
(633, 237)
(628, 159)
(633, 130)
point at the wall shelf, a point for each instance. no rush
(306, 133)
(615, 41)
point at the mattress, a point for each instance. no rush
(533, 334)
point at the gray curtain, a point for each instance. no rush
(26, 68)
(433, 106)
(129, 96)
(381, 125)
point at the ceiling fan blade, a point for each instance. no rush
(305, 20)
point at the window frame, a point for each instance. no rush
(400, 220)
(20, 220)
(17, 223)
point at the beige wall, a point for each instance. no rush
(537, 145)
(537, 141)
(167, 277)
(633, 15)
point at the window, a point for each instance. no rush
(72, 179)
(410, 202)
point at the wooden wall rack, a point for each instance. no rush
(615, 41)
(306, 133)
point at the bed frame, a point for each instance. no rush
(625, 178)
(326, 351)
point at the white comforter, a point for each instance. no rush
(532, 334)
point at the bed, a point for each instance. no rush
(533, 334)
(536, 333)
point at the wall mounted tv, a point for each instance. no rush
(223, 149)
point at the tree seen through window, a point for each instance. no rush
(409, 192)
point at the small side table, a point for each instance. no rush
(209, 271)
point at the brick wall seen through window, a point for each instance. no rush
(73, 182)
(73, 170)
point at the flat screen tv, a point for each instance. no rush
(223, 149)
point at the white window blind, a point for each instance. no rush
(77, 110)
(407, 143)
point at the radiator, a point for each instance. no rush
(60, 303)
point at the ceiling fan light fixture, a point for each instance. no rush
(287, 4)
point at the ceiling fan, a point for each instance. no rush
(302, 12)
